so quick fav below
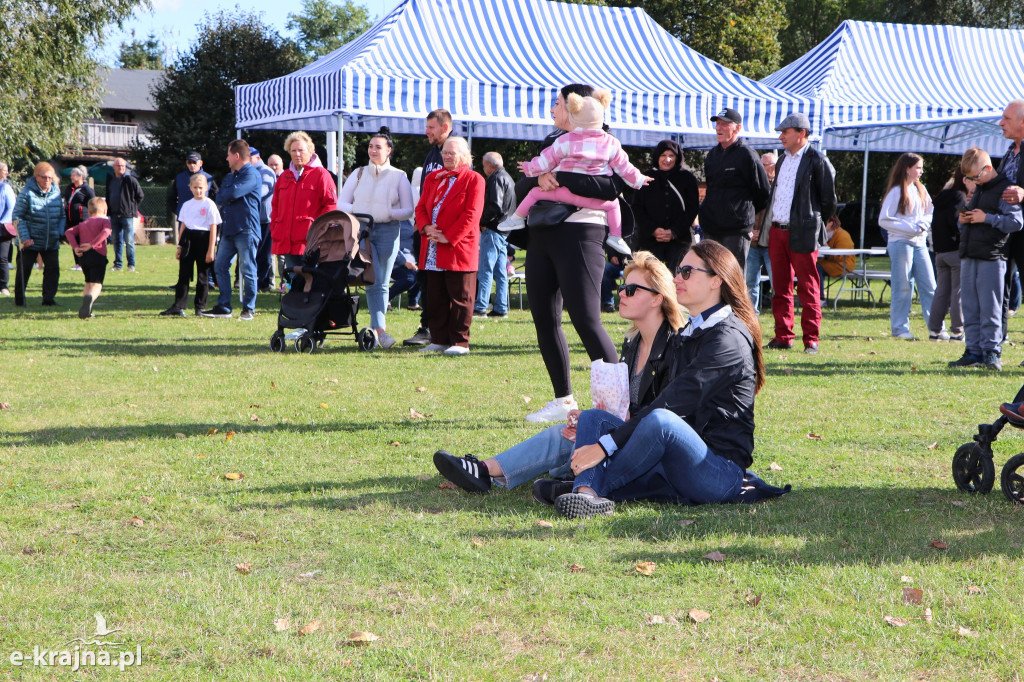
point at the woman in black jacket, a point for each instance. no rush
(665, 210)
(946, 240)
(648, 301)
(694, 442)
(76, 199)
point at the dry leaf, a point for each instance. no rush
(421, 389)
(424, 477)
(447, 485)
(526, 398)
(477, 542)
(913, 368)
(310, 574)
(973, 589)
(180, 436)
(273, 384)
(535, 677)
(939, 544)
(576, 568)
(775, 466)
(906, 579)
(135, 521)
(687, 522)
(967, 632)
(698, 616)
(413, 414)
(958, 503)
(934, 446)
(229, 435)
(787, 371)
(282, 624)
(912, 595)
(28, 551)
(895, 622)
(360, 637)
(200, 456)
(5, 406)
(928, 615)
(309, 628)
(656, 620)
(255, 407)
(872, 352)
(212, 431)
(234, 476)
(813, 436)
(324, 406)
(714, 556)
(541, 523)
(645, 567)
(244, 569)
(254, 418)
(148, 500)
(155, 369)
(333, 381)
(753, 599)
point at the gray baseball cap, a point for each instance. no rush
(797, 120)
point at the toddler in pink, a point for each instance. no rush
(586, 149)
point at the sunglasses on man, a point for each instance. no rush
(685, 271)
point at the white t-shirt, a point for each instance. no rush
(199, 214)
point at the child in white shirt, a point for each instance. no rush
(197, 241)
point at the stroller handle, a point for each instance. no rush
(364, 232)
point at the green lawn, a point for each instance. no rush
(342, 519)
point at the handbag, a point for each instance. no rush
(549, 214)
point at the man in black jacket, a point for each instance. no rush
(803, 200)
(737, 187)
(499, 204)
(123, 198)
(1012, 124)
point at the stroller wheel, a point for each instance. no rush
(367, 339)
(304, 344)
(973, 472)
(1011, 481)
(277, 342)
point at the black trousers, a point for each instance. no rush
(194, 244)
(5, 259)
(51, 273)
(264, 261)
(564, 266)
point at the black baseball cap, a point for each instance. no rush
(728, 115)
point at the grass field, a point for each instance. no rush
(120, 431)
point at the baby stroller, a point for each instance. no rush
(973, 468)
(320, 301)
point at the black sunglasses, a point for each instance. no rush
(685, 271)
(628, 290)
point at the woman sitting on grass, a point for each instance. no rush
(647, 299)
(694, 442)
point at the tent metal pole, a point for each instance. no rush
(864, 196)
(332, 150)
(341, 149)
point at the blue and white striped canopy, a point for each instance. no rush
(497, 66)
(903, 87)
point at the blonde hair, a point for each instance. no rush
(298, 135)
(658, 277)
(196, 178)
(972, 159)
(96, 205)
(46, 168)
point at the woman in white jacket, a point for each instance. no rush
(907, 216)
(382, 191)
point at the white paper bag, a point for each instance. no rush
(609, 387)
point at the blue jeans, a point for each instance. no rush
(663, 438)
(383, 249)
(122, 231)
(906, 260)
(548, 453)
(612, 272)
(756, 257)
(981, 295)
(493, 264)
(242, 245)
(403, 280)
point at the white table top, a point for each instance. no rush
(874, 251)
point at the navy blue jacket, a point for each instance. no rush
(239, 202)
(180, 193)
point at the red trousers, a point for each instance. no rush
(450, 298)
(786, 264)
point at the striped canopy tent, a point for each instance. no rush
(904, 87)
(497, 66)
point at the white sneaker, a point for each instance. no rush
(555, 411)
(433, 348)
(938, 336)
(456, 350)
(618, 244)
(385, 340)
(513, 223)
(905, 335)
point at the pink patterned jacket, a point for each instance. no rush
(590, 152)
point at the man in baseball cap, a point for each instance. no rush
(737, 187)
(178, 193)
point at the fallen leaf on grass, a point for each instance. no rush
(753, 599)
(309, 628)
(541, 523)
(775, 466)
(934, 446)
(361, 638)
(535, 677)
(28, 551)
(967, 632)
(645, 567)
(234, 476)
(136, 521)
(476, 542)
(698, 616)
(180, 436)
(324, 406)
(282, 624)
(687, 522)
(200, 456)
(973, 589)
(212, 431)
(424, 477)
(526, 398)
(413, 414)
(576, 568)
(273, 384)
(244, 568)
(255, 407)
(421, 389)
(813, 436)
(906, 579)
(254, 418)
(155, 369)
(958, 503)
(912, 595)
(333, 381)
(5, 406)
(447, 485)
(787, 371)
(308, 574)
(148, 500)
(656, 620)
(714, 556)
(896, 622)
(872, 352)
(939, 544)
(913, 368)
(928, 615)
(229, 435)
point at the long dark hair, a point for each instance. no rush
(734, 292)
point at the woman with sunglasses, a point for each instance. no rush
(647, 300)
(694, 442)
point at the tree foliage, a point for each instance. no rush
(324, 26)
(142, 54)
(48, 83)
(195, 100)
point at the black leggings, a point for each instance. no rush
(564, 265)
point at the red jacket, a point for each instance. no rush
(296, 204)
(458, 220)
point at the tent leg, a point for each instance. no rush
(341, 150)
(864, 198)
(332, 151)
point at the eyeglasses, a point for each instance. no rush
(685, 271)
(976, 178)
(629, 290)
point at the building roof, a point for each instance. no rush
(129, 89)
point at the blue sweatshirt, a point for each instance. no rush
(238, 199)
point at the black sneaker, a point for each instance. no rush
(608, 309)
(497, 316)
(420, 338)
(993, 361)
(775, 344)
(49, 304)
(583, 505)
(467, 472)
(968, 360)
(173, 312)
(547, 490)
(247, 315)
(85, 311)
(479, 315)
(217, 311)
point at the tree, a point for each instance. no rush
(323, 26)
(48, 83)
(195, 101)
(142, 54)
